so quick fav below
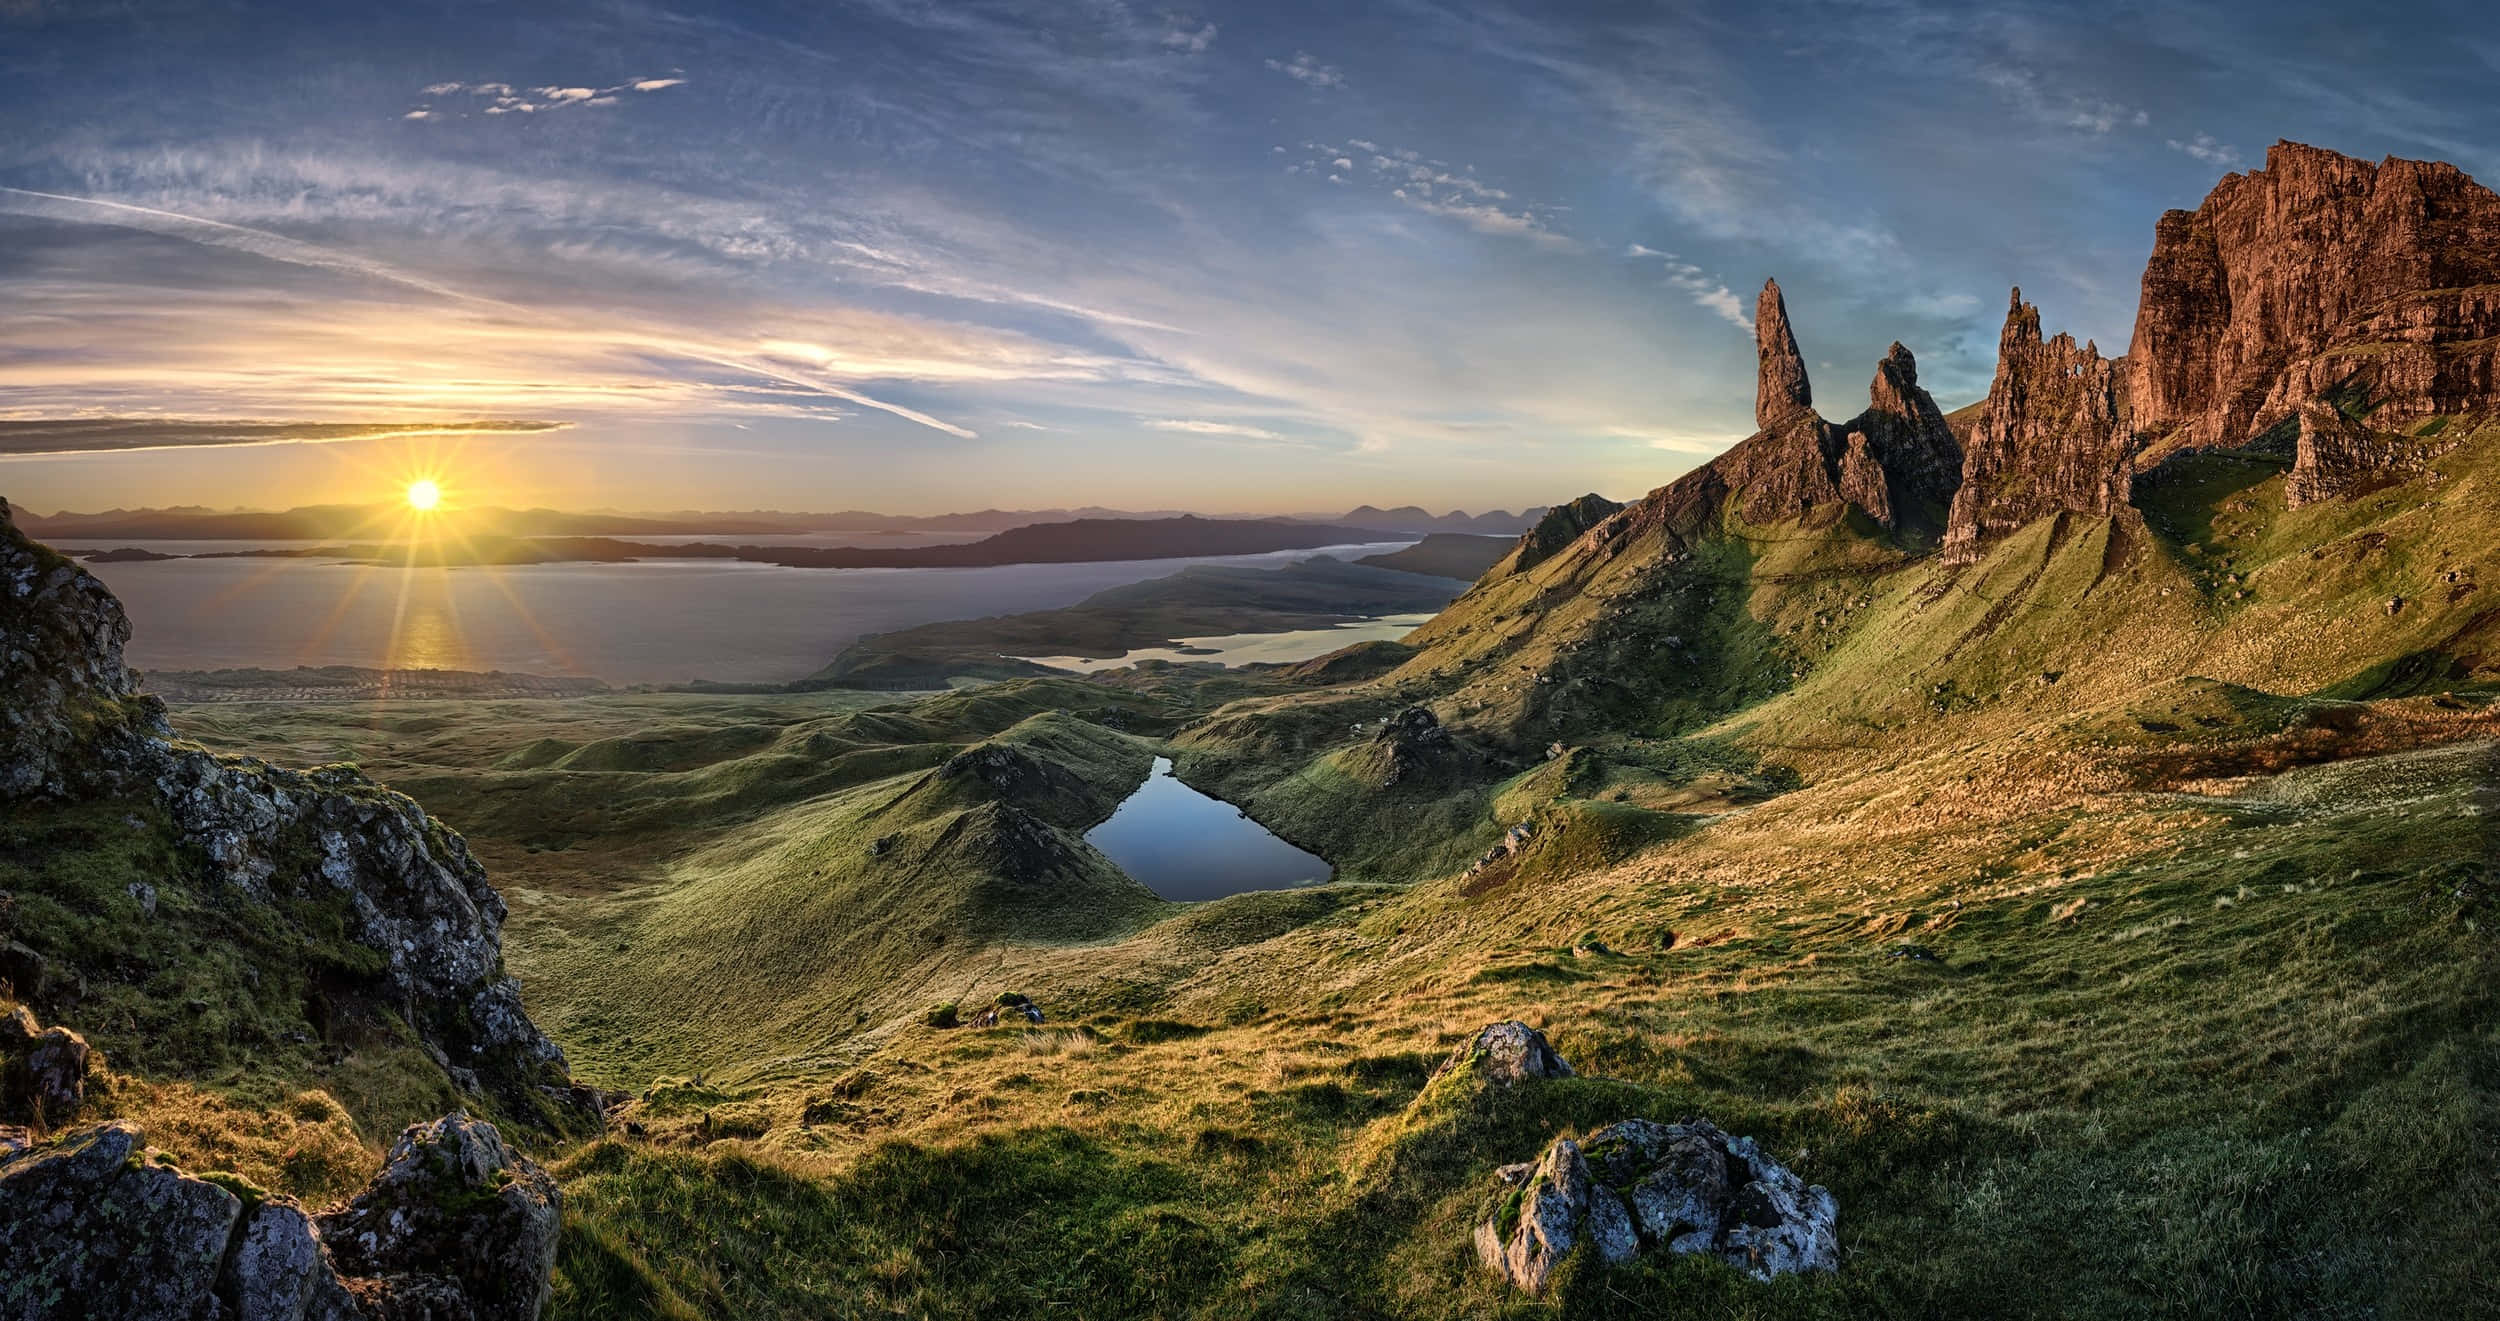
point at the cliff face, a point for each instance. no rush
(261, 839)
(2055, 436)
(2318, 271)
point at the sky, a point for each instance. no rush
(915, 256)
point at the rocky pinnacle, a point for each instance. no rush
(1781, 390)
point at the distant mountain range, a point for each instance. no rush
(1414, 518)
(1080, 540)
(373, 521)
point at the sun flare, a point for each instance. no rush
(424, 495)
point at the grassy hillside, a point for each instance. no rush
(2107, 924)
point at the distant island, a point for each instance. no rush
(1078, 541)
(1204, 600)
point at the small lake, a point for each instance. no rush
(1182, 844)
(1299, 644)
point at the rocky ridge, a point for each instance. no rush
(74, 727)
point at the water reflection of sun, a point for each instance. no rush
(418, 544)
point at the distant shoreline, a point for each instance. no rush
(1080, 541)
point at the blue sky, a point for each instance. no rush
(1256, 257)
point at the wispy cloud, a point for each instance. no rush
(1433, 186)
(1306, 69)
(504, 99)
(1697, 284)
(1188, 36)
(2206, 148)
(1674, 439)
(1202, 427)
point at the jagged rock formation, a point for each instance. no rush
(1896, 462)
(1781, 390)
(457, 1225)
(73, 725)
(1639, 1186)
(2056, 436)
(2317, 272)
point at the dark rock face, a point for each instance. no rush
(43, 1071)
(1504, 1054)
(1781, 390)
(2255, 302)
(1900, 461)
(70, 715)
(456, 1228)
(72, 725)
(1638, 1186)
(455, 1216)
(2056, 436)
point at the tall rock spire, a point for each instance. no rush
(1781, 389)
(2056, 437)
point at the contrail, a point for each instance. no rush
(278, 247)
(258, 242)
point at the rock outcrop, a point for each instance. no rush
(43, 1071)
(71, 718)
(457, 1227)
(74, 726)
(1561, 525)
(1639, 1186)
(2056, 436)
(2317, 272)
(1503, 1054)
(457, 1224)
(2334, 456)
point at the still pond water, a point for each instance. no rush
(1184, 845)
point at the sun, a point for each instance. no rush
(424, 495)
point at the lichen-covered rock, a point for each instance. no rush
(277, 1269)
(1639, 1186)
(89, 1227)
(2056, 436)
(456, 1228)
(43, 1071)
(1504, 1054)
(456, 1217)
